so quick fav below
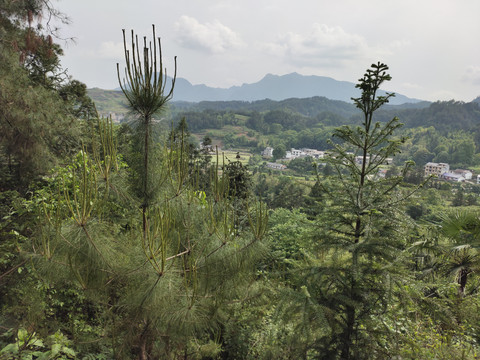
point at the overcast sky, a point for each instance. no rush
(431, 46)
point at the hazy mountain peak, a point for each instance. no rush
(276, 87)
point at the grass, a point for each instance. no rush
(108, 101)
(231, 155)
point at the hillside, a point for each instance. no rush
(108, 101)
(306, 95)
(112, 101)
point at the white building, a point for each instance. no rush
(467, 174)
(452, 177)
(438, 169)
(316, 154)
(276, 166)
(297, 153)
(268, 152)
(359, 160)
(304, 152)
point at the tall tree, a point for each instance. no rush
(144, 86)
(163, 276)
(35, 125)
(349, 276)
(365, 223)
(25, 29)
(37, 99)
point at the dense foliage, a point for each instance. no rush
(132, 241)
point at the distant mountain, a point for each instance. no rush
(276, 87)
(307, 95)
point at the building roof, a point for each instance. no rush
(452, 175)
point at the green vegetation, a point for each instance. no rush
(309, 123)
(129, 241)
(108, 101)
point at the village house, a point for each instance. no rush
(359, 160)
(294, 153)
(316, 154)
(297, 153)
(467, 174)
(451, 176)
(438, 169)
(276, 166)
(267, 152)
(209, 148)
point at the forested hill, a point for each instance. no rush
(444, 116)
(112, 101)
(306, 106)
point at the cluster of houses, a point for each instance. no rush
(295, 153)
(316, 154)
(304, 152)
(442, 170)
(290, 155)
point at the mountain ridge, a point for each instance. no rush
(277, 87)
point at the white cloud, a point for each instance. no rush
(472, 75)
(111, 50)
(210, 37)
(399, 44)
(408, 85)
(330, 46)
(324, 45)
(443, 95)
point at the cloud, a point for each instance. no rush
(324, 45)
(111, 50)
(399, 44)
(329, 46)
(408, 85)
(443, 95)
(209, 37)
(472, 75)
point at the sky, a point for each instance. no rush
(431, 46)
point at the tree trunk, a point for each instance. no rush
(346, 341)
(146, 200)
(462, 281)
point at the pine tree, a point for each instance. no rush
(347, 279)
(161, 259)
(36, 107)
(144, 86)
(361, 226)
